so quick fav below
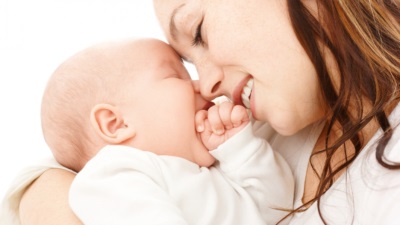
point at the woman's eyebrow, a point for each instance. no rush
(172, 26)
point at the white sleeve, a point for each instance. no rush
(251, 163)
(116, 187)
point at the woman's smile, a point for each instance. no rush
(242, 92)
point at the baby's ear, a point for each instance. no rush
(109, 124)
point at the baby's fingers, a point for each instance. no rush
(215, 120)
(239, 115)
(199, 119)
(225, 111)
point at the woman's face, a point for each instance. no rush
(246, 50)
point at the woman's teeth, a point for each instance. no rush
(247, 92)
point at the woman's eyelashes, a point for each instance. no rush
(198, 39)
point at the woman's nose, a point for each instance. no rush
(210, 80)
(201, 102)
(196, 86)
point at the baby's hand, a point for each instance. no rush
(220, 123)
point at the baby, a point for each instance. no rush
(125, 116)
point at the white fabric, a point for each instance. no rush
(368, 194)
(124, 185)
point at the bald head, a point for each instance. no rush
(95, 75)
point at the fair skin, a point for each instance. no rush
(160, 105)
(246, 43)
(172, 103)
(242, 40)
(156, 100)
(228, 58)
(254, 40)
(56, 209)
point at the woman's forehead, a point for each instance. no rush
(165, 11)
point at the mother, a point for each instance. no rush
(307, 63)
(324, 74)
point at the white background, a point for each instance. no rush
(35, 37)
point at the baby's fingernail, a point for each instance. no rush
(219, 132)
(200, 128)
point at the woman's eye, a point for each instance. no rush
(198, 40)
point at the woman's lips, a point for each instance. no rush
(246, 93)
(237, 93)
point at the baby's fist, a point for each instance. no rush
(220, 123)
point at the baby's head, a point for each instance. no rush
(133, 92)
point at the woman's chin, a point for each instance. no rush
(284, 125)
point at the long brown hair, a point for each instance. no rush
(364, 38)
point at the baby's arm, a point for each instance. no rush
(249, 161)
(220, 123)
(121, 185)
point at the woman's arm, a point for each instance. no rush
(45, 202)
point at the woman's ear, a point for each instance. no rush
(109, 124)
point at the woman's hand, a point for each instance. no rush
(220, 122)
